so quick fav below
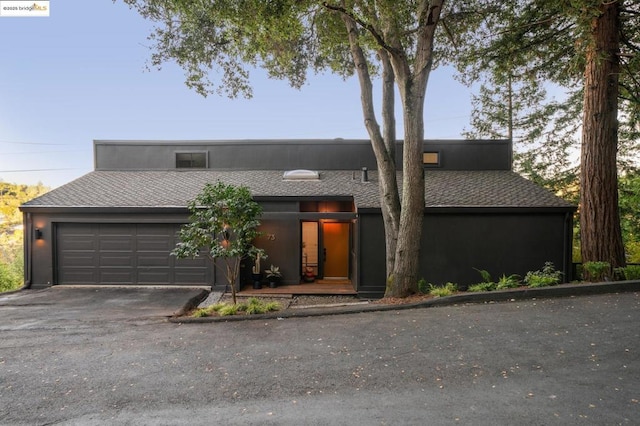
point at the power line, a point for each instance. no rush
(34, 143)
(36, 152)
(37, 170)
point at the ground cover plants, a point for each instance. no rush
(441, 291)
(252, 306)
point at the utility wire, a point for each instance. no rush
(34, 143)
(36, 170)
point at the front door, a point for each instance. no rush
(335, 249)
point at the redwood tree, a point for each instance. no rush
(590, 48)
(601, 237)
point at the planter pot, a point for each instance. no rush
(257, 284)
(273, 284)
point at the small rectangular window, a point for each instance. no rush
(431, 159)
(191, 160)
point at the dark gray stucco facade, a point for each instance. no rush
(117, 224)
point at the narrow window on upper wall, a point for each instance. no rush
(191, 160)
(431, 159)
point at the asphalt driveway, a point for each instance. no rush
(64, 306)
(561, 361)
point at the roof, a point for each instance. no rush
(175, 188)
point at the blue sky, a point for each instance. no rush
(80, 74)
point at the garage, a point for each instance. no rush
(124, 254)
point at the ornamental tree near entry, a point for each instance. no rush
(224, 222)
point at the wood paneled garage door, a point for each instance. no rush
(124, 254)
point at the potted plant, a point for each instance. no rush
(256, 274)
(273, 275)
(309, 276)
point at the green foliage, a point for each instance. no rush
(486, 276)
(596, 271)
(273, 272)
(484, 286)
(632, 251)
(252, 306)
(11, 261)
(223, 225)
(630, 272)
(11, 197)
(545, 277)
(423, 287)
(228, 310)
(9, 278)
(202, 312)
(629, 203)
(488, 284)
(441, 291)
(511, 281)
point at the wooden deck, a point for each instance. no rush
(326, 287)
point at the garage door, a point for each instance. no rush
(124, 254)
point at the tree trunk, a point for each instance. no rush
(601, 237)
(404, 280)
(412, 81)
(402, 218)
(383, 146)
(388, 183)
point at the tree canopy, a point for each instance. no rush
(289, 38)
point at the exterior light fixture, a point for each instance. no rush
(37, 233)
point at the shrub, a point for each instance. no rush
(486, 276)
(545, 277)
(250, 307)
(511, 281)
(440, 291)
(482, 287)
(487, 283)
(541, 281)
(228, 310)
(10, 277)
(630, 272)
(202, 312)
(423, 287)
(596, 271)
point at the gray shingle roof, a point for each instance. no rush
(173, 188)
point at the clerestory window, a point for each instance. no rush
(191, 160)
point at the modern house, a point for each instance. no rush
(117, 224)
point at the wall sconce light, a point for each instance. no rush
(37, 233)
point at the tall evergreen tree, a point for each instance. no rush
(589, 47)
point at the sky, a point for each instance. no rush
(81, 75)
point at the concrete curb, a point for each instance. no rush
(191, 303)
(563, 290)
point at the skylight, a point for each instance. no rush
(301, 174)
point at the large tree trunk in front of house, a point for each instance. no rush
(412, 79)
(402, 217)
(404, 280)
(382, 142)
(600, 234)
(388, 177)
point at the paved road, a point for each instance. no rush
(540, 362)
